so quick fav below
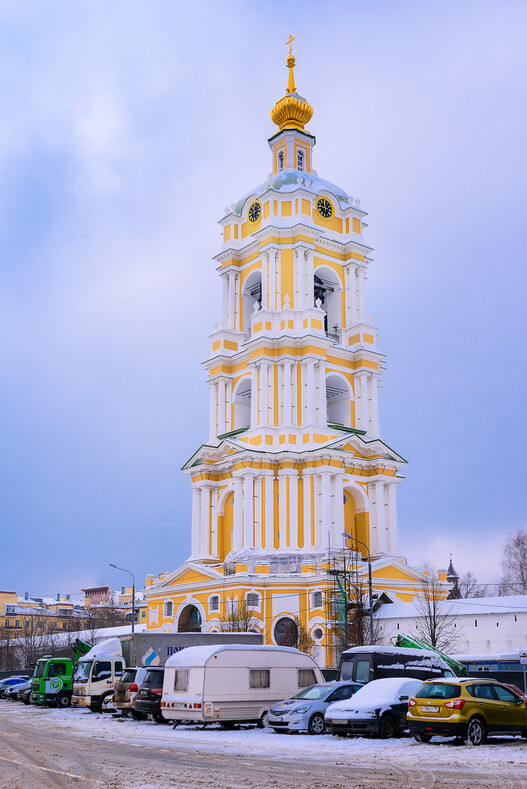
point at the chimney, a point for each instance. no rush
(26, 595)
(58, 598)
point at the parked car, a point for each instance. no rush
(305, 710)
(107, 704)
(379, 708)
(25, 695)
(126, 691)
(12, 691)
(364, 664)
(468, 708)
(233, 683)
(10, 681)
(148, 698)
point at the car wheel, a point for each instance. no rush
(262, 723)
(422, 737)
(64, 701)
(476, 732)
(316, 724)
(139, 716)
(387, 727)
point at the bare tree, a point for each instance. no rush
(435, 615)
(469, 586)
(238, 618)
(514, 563)
(304, 642)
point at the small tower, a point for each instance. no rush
(453, 578)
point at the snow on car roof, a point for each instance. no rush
(380, 691)
(198, 656)
(391, 651)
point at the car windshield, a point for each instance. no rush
(40, 668)
(83, 671)
(438, 690)
(313, 692)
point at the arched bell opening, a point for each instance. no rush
(251, 295)
(338, 400)
(327, 289)
(242, 403)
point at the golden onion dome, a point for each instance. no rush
(291, 111)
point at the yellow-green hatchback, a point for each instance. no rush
(467, 708)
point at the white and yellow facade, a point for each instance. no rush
(294, 475)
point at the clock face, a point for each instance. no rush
(255, 211)
(324, 208)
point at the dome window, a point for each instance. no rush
(300, 160)
(280, 160)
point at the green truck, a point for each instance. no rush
(52, 682)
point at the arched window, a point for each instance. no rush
(252, 600)
(327, 289)
(338, 401)
(286, 632)
(300, 160)
(168, 609)
(280, 160)
(214, 603)
(242, 404)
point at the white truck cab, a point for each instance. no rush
(96, 675)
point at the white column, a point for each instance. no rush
(278, 265)
(264, 415)
(232, 300)
(257, 512)
(213, 404)
(338, 510)
(326, 510)
(272, 279)
(237, 526)
(225, 299)
(254, 397)
(301, 263)
(381, 516)
(311, 394)
(228, 403)
(282, 507)
(269, 512)
(265, 287)
(248, 512)
(237, 322)
(205, 521)
(310, 283)
(296, 280)
(361, 277)
(196, 516)
(374, 403)
(365, 416)
(351, 302)
(319, 542)
(280, 370)
(214, 524)
(293, 508)
(321, 409)
(392, 546)
(287, 393)
(308, 542)
(221, 406)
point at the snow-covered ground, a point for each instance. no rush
(509, 752)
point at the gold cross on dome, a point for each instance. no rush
(290, 42)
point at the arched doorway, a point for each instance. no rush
(189, 620)
(286, 632)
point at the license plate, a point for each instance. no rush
(340, 721)
(429, 709)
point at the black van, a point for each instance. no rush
(362, 664)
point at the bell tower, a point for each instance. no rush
(294, 465)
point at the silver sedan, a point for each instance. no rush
(305, 711)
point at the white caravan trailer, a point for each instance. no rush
(233, 683)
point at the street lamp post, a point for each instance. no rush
(370, 585)
(133, 591)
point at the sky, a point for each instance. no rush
(125, 129)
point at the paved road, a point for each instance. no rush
(39, 750)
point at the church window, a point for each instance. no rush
(317, 600)
(168, 609)
(252, 600)
(300, 160)
(280, 160)
(242, 403)
(318, 633)
(214, 603)
(327, 291)
(252, 296)
(286, 632)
